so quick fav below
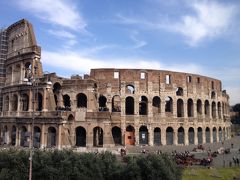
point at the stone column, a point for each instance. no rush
(163, 114)
(89, 138)
(43, 137)
(185, 108)
(175, 137)
(217, 135)
(195, 136)
(211, 134)
(163, 136)
(30, 108)
(17, 137)
(59, 141)
(186, 141)
(136, 135)
(136, 105)
(107, 136)
(44, 100)
(150, 132)
(195, 109)
(204, 135)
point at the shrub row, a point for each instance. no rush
(66, 164)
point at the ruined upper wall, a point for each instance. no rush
(21, 38)
(156, 77)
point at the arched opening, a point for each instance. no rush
(117, 135)
(157, 136)
(81, 100)
(98, 137)
(214, 110)
(224, 134)
(199, 107)
(200, 135)
(6, 103)
(143, 135)
(5, 135)
(219, 110)
(39, 102)
(190, 107)
(191, 135)
(14, 102)
(24, 137)
(169, 136)
(70, 117)
(56, 91)
(180, 135)
(214, 134)
(143, 105)
(25, 101)
(180, 108)
(213, 95)
(130, 89)
(156, 103)
(37, 137)
(80, 136)
(129, 104)
(168, 104)
(220, 134)
(14, 135)
(130, 135)
(102, 103)
(67, 101)
(116, 103)
(51, 138)
(207, 134)
(179, 91)
(206, 108)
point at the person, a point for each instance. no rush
(232, 145)
(237, 160)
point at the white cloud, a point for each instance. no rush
(204, 20)
(61, 34)
(138, 43)
(74, 62)
(59, 12)
(210, 20)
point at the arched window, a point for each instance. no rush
(117, 135)
(25, 101)
(102, 103)
(116, 103)
(179, 91)
(206, 108)
(81, 100)
(169, 135)
(213, 95)
(51, 138)
(80, 136)
(143, 135)
(214, 110)
(190, 107)
(129, 105)
(157, 136)
(156, 103)
(168, 104)
(14, 102)
(199, 107)
(130, 89)
(143, 105)
(98, 136)
(180, 135)
(39, 102)
(56, 91)
(219, 110)
(66, 101)
(6, 103)
(180, 108)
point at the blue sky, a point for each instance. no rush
(195, 36)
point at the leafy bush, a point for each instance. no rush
(66, 164)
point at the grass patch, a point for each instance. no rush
(209, 174)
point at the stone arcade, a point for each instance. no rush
(109, 107)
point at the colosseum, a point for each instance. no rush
(108, 107)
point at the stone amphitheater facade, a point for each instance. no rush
(106, 108)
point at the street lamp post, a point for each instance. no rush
(31, 80)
